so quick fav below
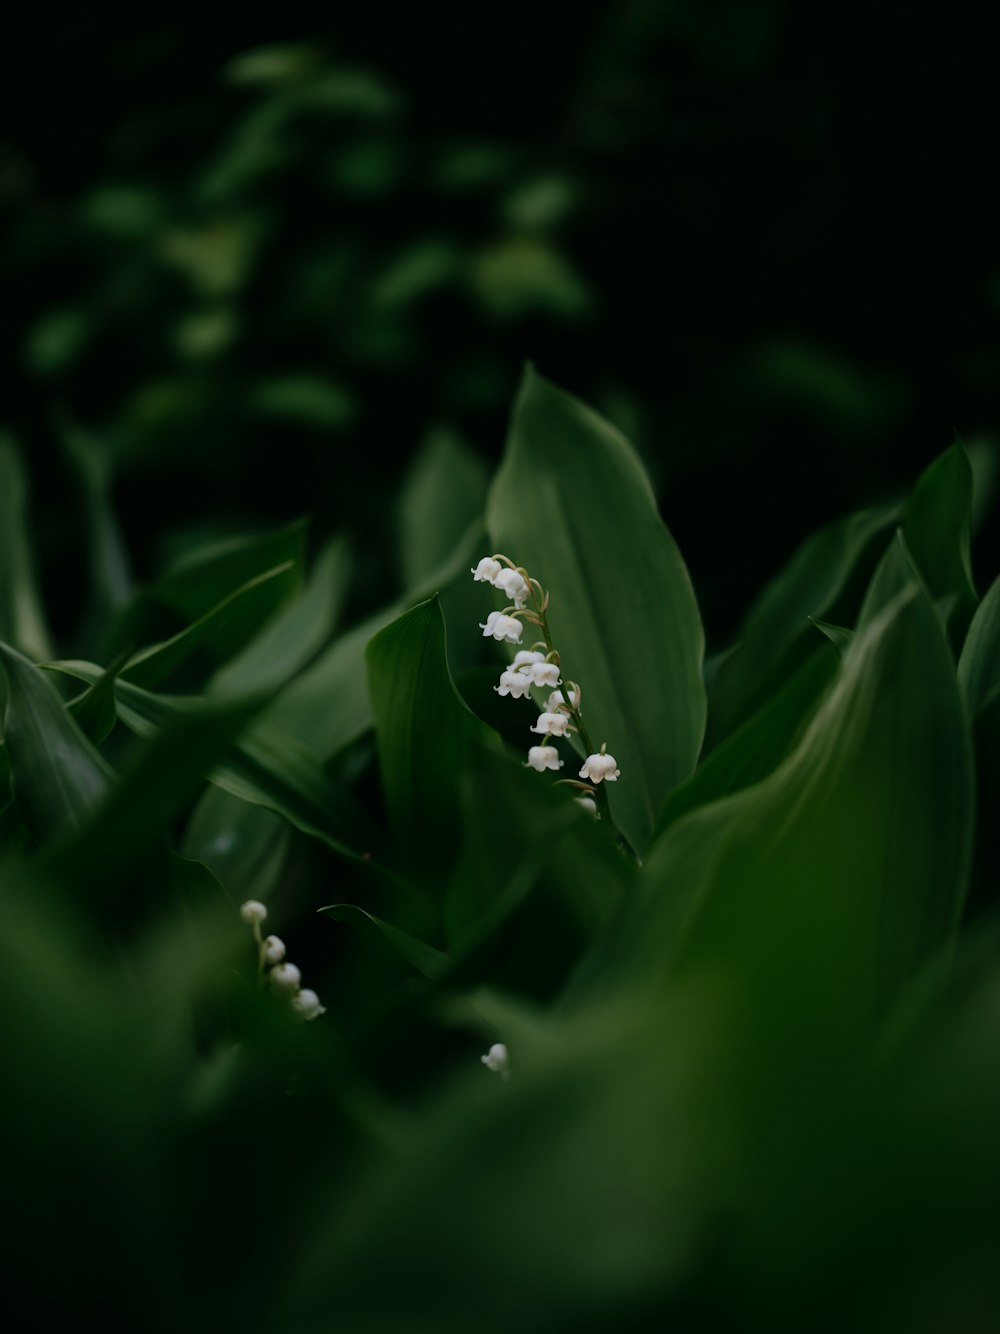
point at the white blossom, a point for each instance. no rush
(557, 698)
(487, 570)
(306, 1004)
(544, 673)
(285, 978)
(515, 684)
(514, 585)
(496, 1059)
(253, 911)
(551, 724)
(274, 949)
(587, 804)
(524, 657)
(544, 757)
(502, 627)
(598, 767)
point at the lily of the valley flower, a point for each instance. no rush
(253, 912)
(544, 673)
(544, 757)
(306, 1004)
(557, 698)
(588, 804)
(524, 657)
(515, 684)
(285, 978)
(600, 767)
(497, 1060)
(487, 570)
(501, 626)
(551, 724)
(273, 949)
(513, 584)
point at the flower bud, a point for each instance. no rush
(274, 949)
(551, 724)
(285, 978)
(502, 627)
(587, 804)
(496, 1059)
(253, 911)
(487, 570)
(306, 1004)
(544, 757)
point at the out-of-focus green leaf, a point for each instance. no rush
(572, 504)
(265, 766)
(110, 576)
(757, 747)
(22, 619)
(427, 960)
(979, 665)
(827, 888)
(295, 635)
(233, 621)
(57, 776)
(443, 494)
(328, 705)
(776, 628)
(937, 526)
(95, 710)
(309, 399)
(423, 729)
(204, 577)
(839, 635)
(241, 843)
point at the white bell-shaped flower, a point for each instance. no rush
(273, 949)
(524, 657)
(502, 627)
(544, 673)
(557, 698)
(544, 757)
(497, 1060)
(514, 585)
(597, 768)
(252, 912)
(487, 570)
(306, 1004)
(515, 684)
(285, 978)
(551, 724)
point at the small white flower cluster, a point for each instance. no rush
(539, 667)
(284, 978)
(496, 1059)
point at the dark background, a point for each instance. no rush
(761, 240)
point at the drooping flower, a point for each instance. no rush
(502, 627)
(497, 1060)
(252, 912)
(524, 657)
(599, 767)
(285, 978)
(515, 684)
(514, 585)
(544, 673)
(551, 724)
(544, 757)
(487, 570)
(306, 1004)
(273, 949)
(557, 698)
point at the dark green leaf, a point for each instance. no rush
(95, 710)
(203, 578)
(937, 526)
(241, 843)
(979, 665)
(443, 494)
(22, 618)
(110, 576)
(427, 960)
(572, 504)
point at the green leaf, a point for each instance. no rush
(239, 842)
(95, 710)
(757, 747)
(295, 635)
(201, 579)
(57, 776)
(443, 494)
(775, 633)
(839, 636)
(979, 665)
(22, 618)
(110, 576)
(423, 729)
(427, 960)
(231, 622)
(937, 526)
(821, 892)
(572, 504)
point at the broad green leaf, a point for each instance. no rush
(443, 494)
(427, 960)
(22, 618)
(979, 665)
(244, 845)
(828, 887)
(757, 747)
(328, 705)
(57, 776)
(231, 622)
(572, 504)
(423, 729)
(775, 633)
(937, 526)
(202, 578)
(264, 767)
(295, 635)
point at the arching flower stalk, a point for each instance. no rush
(283, 979)
(539, 667)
